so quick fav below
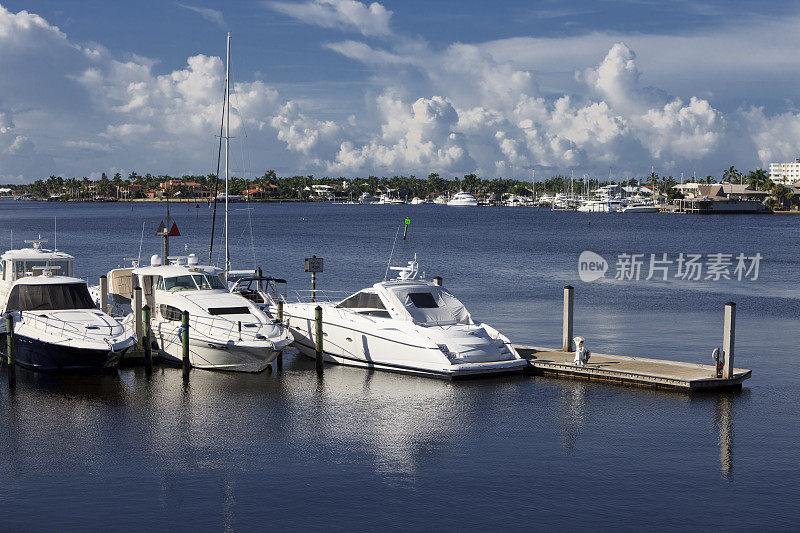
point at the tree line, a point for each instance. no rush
(299, 187)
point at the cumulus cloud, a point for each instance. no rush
(370, 20)
(453, 109)
(212, 15)
(419, 136)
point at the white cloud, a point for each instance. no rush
(420, 136)
(777, 137)
(300, 133)
(487, 107)
(212, 15)
(370, 20)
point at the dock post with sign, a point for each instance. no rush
(313, 265)
(167, 229)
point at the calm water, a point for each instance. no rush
(358, 450)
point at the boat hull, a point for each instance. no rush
(217, 356)
(462, 371)
(42, 356)
(355, 347)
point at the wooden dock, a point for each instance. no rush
(632, 371)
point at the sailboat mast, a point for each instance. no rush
(227, 145)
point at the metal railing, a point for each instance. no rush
(54, 325)
(221, 329)
(321, 296)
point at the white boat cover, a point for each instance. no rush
(428, 304)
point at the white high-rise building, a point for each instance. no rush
(785, 173)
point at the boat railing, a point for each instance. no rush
(217, 327)
(322, 296)
(53, 325)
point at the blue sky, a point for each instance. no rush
(341, 87)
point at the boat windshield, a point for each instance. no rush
(193, 282)
(49, 297)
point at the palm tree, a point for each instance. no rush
(758, 179)
(731, 175)
(781, 194)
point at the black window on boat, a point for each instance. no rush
(423, 300)
(229, 311)
(170, 313)
(363, 300)
(50, 297)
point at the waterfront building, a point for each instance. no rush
(785, 173)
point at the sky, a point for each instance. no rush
(348, 88)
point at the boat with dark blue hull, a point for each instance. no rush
(41, 356)
(57, 326)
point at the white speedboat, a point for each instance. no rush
(57, 325)
(600, 206)
(462, 199)
(643, 207)
(404, 325)
(226, 331)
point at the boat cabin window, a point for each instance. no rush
(363, 300)
(193, 282)
(208, 281)
(423, 300)
(366, 303)
(170, 313)
(51, 296)
(37, 268)
(229, 310)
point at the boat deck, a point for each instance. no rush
(635, 371)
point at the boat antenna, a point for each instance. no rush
(216, 175)
(141, 239)
(55, 234)
(12, 240)
(386, 275)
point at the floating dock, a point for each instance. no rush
(638, 371)
(635, 371)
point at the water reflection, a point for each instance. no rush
(723, 420)
(573, 411)
(388, 417)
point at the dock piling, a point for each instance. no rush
(147, 342)
(728, 336)
(104, 293)
(12, 376)
(137, 315)
(187, 366)
(566, 340)
(318, 321)
(279, 318)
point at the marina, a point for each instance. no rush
(291, 420)
(383, 265)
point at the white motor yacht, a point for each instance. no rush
(57, 325)
(404, 325)
(367, 198)
(637, 204)
(600, 206)
(226, 331)
(462, 199)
